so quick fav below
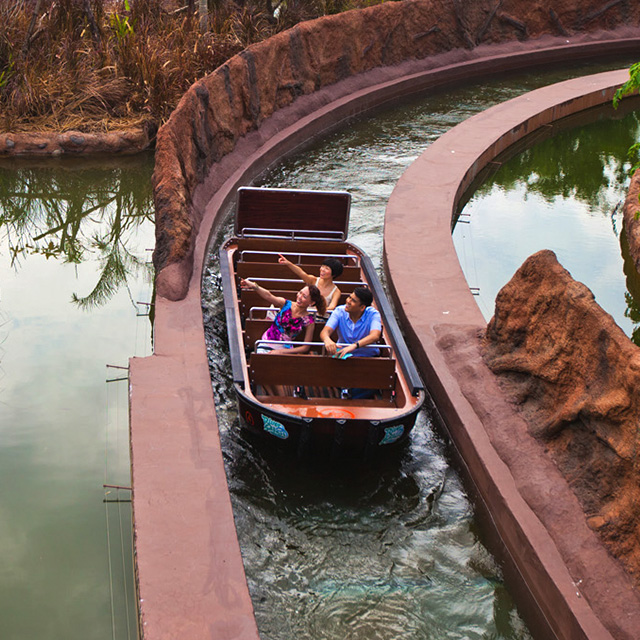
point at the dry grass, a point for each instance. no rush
(101, 65)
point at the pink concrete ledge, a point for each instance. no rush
(190, 574)
(556, 562)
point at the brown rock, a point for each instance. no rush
(573, 374)
(74, 143)
(631, 217)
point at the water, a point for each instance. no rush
(565, 194)
(373, 553)
(73, 246)
(351, 551)
(364, 553)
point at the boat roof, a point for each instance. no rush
(318, 214)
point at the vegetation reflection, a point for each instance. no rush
(579, 164)
(587, 164)
(75, 214)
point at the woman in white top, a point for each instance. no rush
(329, 269)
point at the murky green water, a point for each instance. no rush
(565, 194)
(384, 552)
(73, 248)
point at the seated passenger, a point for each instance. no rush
(292, 318)
(357, 324)
(329, 269)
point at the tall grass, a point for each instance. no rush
(101, 65)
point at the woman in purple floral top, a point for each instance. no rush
(292, 318)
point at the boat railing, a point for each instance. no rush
(300, 282)
(276, 309)
(293, 234)
(294, 343)
(339, 256)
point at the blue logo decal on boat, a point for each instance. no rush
(274, 427)
(391, 434)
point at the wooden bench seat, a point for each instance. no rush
(322, 371)
(307, 258)
(290, 246)
(275, 270)
(381, 403)
(253, 330)
(294, 285)
(250, 299)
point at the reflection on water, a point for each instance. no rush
(73, 214)
(65, 564)
(565, 194)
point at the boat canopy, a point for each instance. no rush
(292, 213)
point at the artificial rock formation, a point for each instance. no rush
(574, 376)
(631, 217)
(248, 89)
(75, 143)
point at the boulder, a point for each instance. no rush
(573, 375)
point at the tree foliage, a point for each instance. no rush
(576, 163)
(631, 86)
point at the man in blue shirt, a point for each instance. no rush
(358, 324)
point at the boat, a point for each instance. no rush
(299, 399)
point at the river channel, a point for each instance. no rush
(381, 552)
(392, 551)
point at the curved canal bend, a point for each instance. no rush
(362, 553)
(406, 480)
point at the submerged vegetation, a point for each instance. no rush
(101, 65)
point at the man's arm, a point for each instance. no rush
(325, 336)
(370, 338)
(374, 322)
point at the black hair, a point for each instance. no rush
(364, 295)
(318, 298)
(335, 265)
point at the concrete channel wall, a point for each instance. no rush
(189, 567)
(566, 582)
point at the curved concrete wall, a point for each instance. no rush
(190, 574)
(243, 94)
(555, 560)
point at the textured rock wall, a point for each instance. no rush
(74, 143)
(241, 94)
(574, 376)
(631, 217)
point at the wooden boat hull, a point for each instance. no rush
(338, 430)
(321, 419)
